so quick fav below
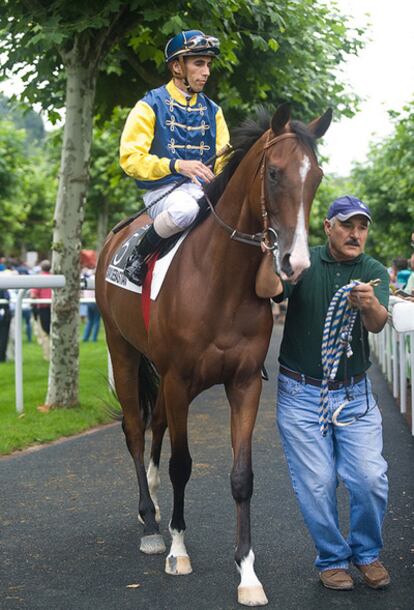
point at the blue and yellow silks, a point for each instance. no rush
(164, 127)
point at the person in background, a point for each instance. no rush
(5, 319)
(409, 287)
(93, 316)
(43, 310)
(399, 272)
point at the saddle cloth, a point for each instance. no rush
(115, 272)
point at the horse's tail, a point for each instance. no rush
(148, 379)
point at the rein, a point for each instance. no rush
(268, 237)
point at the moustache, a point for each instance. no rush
(352, 242)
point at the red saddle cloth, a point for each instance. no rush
(146, 290)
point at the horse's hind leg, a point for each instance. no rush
(125, 363)
(176, 406)
(158, 427)
(244, 402)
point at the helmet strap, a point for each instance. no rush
(183, 77)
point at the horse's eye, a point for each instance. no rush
(273, 174)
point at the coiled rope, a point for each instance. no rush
(336, 338)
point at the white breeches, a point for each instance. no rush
(181, 204)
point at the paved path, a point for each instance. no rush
(69, 535)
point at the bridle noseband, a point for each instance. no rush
(268, 237)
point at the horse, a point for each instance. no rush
(208, 326)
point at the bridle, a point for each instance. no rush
(268, 237)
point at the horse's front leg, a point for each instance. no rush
(244, 402)
(176, 401)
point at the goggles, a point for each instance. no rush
(202, 42)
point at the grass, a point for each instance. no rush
(35, 427)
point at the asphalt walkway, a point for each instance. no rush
(69, 534)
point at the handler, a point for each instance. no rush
(353, 452)
(167, 136)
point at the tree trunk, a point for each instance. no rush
(102, 224)
(63, 386)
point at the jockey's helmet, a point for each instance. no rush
(191, 42)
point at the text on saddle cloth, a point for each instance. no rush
(115, 272)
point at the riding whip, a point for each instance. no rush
(124, 223)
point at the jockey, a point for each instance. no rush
(167, 138)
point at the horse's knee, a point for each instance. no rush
(241, 479)
(134, 438)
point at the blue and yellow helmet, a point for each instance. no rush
(191, 42)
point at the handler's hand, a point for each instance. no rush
(362, 297)
(195, 170)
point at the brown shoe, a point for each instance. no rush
(375, 575)
(338, 579)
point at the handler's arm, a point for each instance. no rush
(374, 315)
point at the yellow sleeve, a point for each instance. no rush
(222, 138)
(136, 140)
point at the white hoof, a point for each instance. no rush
(153, 544)
(251, 596)
(178, 565)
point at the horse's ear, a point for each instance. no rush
(320, 126)
(280, 119)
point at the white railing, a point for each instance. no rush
(394, 349)
(23, 283)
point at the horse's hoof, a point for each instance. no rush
(251, 596)
(153, 544)
(178, 565)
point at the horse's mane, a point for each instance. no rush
(243, 138)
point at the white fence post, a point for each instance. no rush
(23, 283)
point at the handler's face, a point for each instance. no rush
(347, 238)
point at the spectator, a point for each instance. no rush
(42, 310)
(5, 319)
(93, 319)
(410, 283)
(399, 272)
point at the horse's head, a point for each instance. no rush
(290, 176)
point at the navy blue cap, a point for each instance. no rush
(347, 206)
(191, 42)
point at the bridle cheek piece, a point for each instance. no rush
(268, 237)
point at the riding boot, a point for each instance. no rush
(136, 265)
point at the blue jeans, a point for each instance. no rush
(92, 323)
(352, 453)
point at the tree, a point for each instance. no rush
(60, 47)
(386, 184)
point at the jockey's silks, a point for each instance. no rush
(165, 126)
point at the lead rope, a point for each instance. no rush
(336, 338)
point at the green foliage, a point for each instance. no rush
(112, 195)
(23, 118)
(330, 189)
(386, 184)
(297, 45)
(27, 192)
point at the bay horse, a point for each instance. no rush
(208, 326)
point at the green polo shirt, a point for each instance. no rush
(308, 304)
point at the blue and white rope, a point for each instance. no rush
(336, 338)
